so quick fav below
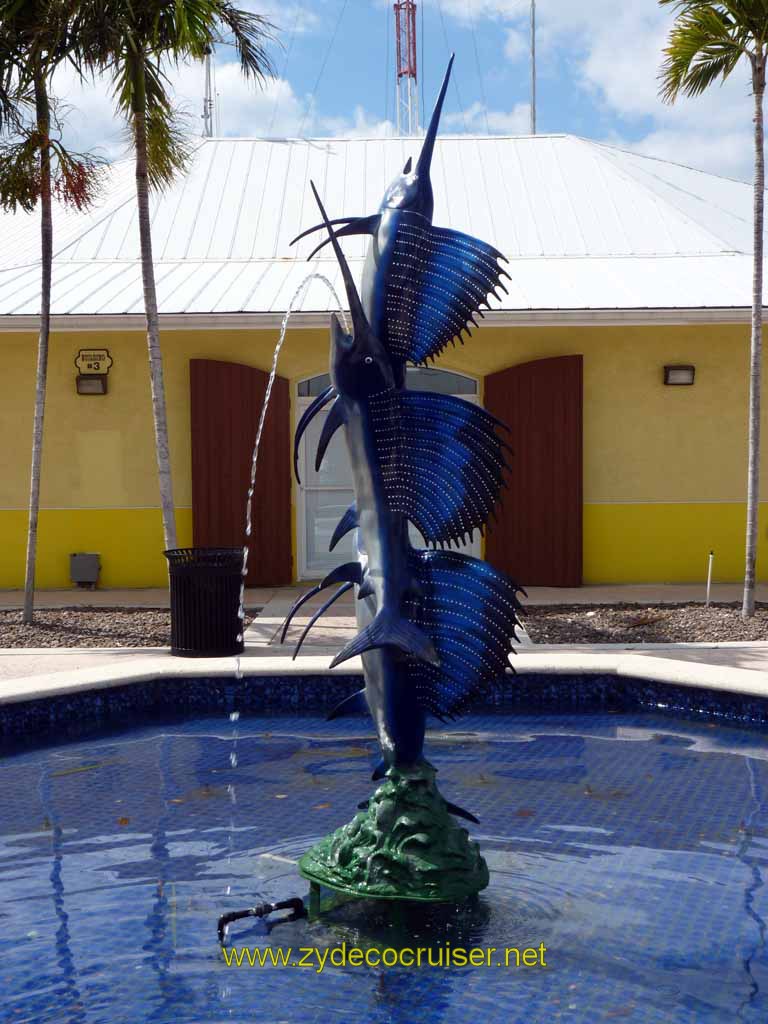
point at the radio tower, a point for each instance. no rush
(407, 82)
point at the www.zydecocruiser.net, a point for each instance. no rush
(354, 956)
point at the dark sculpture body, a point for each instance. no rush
(436, 626)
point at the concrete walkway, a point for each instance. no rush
(74, 597)
(258, 597)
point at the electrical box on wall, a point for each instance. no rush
(84, 568)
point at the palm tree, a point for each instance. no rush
(135, 41)
(706, 43)
(34, 165)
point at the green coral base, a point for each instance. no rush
(405, 846)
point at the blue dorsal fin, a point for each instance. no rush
(355, 704)
(388, 630)
(333, 421)
(347, 522)
(440, 279)
(307, 416)
(469, 610)
(443, 461)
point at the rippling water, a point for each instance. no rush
(633, 847)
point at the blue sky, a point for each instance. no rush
(489, 68)
(597, 67)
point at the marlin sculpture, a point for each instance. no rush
(437, 626)
(422, 285)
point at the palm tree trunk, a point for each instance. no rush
(43, 115)
(150, 308)
(756, 347)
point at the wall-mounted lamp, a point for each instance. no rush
(679, 374)
(91, 384)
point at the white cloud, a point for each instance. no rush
(476, 118)
(285, 16)
(87, 113)
(243, 109)
(620, 55)
(361, 125)
(516, 45)
(729, 153)
(614, 52)
(469, 10)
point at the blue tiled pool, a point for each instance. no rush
(631, 844)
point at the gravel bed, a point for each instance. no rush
(551, 624)
(643, 624)
(91, 627)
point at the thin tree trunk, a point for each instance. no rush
(43, 116)
(756, 347)
(153, 326)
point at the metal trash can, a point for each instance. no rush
(205, 599)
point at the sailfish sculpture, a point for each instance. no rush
(436, 626)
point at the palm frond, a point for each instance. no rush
(251, 35)
(169, 145)
(748, 18)
(78, 178)
(704, 44)
(20, 181)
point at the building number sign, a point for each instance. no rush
(93, 360)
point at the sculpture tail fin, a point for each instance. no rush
(387, 630)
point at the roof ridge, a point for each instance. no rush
(456, 137)
(626, 174)
(602, 144)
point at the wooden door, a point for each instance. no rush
(226, 401)
(538, 538)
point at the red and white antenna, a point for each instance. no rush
(407, 79)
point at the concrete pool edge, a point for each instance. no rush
(733, 668)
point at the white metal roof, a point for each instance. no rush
(585, 226)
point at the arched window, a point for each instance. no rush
(419, 377)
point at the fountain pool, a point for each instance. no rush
(630, 844)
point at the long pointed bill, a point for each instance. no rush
(425, 157)
(359, 320)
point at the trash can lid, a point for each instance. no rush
(205, 557)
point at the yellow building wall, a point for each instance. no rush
(664, 467)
